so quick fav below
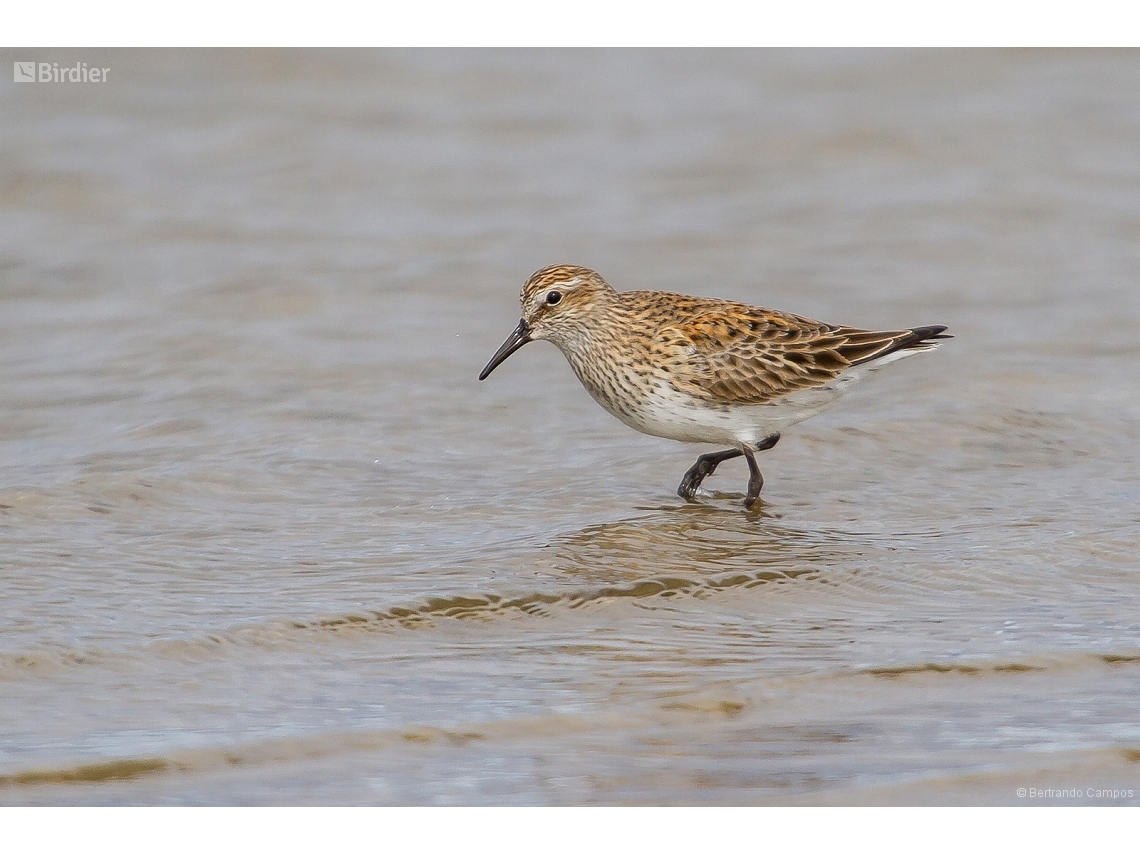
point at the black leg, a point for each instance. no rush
(755, 479)
(706, 464)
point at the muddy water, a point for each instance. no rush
(265, 539)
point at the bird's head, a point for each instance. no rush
(557, 303)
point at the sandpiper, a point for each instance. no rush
(696, 369)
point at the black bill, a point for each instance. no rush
(514, 341)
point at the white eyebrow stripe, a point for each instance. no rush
(570, 282)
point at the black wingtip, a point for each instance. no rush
(935, 331)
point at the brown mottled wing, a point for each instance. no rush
(753, 356)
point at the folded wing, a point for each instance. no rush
(753, 356)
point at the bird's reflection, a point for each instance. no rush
(698, 545)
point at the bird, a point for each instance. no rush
(700, 369)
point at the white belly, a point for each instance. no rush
(675, 415)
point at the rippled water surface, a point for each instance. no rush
(264, 538)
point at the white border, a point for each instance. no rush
(572, 831)
(230, 23)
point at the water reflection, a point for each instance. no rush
(699, 543)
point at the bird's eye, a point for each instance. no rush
(553, 298)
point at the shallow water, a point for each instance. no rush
(265, 539)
